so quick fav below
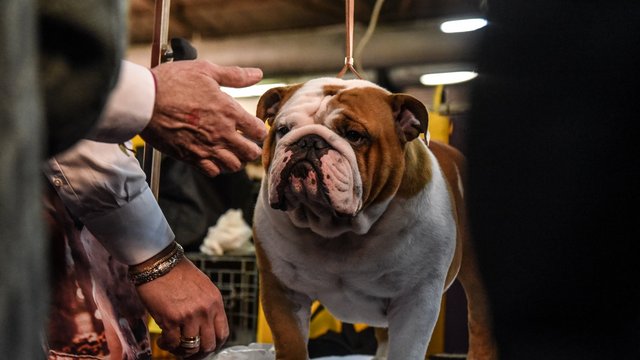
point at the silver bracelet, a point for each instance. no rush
(159, 269)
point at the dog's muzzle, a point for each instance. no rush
(303, 174)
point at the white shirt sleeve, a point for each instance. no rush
(129, 107)
(104, 187)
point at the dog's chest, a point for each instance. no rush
(353, 287)
(356, 277)
(319, 271)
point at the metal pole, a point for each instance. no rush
(152, 158)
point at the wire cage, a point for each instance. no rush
(236, 276)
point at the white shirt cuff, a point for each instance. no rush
(124, 242)
(129, 107)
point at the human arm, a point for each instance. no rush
(185, 302)
(103, 186)
(187, 116)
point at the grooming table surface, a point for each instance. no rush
(265, 352)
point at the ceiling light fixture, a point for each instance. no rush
(446, 78)
(463, 25)
(250, 91)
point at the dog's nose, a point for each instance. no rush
(310, 142)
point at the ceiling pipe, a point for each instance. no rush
(322, 50)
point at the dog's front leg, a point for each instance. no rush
(382, 339)
(287, 314)
(290, 328)
(286, 311)
(411, 322)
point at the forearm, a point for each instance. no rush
(129, 107)
(105, 189)
(134, 232)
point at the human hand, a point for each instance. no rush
(194, 121)
(185, 302)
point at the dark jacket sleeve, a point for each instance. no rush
(81, 43)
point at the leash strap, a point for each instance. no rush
(348, 60)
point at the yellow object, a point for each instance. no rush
(436, 346)
(322, 323)
(154, 334)
(137, 142)
(263, 332)
(440, 126)
(153, 327)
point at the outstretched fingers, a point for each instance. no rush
(234, 76)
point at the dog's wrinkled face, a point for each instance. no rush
(335, 145)
(315, 167)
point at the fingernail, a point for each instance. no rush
(254, 72)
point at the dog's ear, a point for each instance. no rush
(411, 116)
(270, 103)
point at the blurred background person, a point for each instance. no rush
(553, 177)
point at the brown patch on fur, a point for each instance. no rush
(265, 109)
(268, 147)
(417, 170)
(331, 90)
(382, 339)
(381, 160)
(481, 342)
(451, 162)
(279, 311)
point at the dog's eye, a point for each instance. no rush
(354, 137)
(282, 131)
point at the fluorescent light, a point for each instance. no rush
(447, 77)
(250, 91)
(456, 26)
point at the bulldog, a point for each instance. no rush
(358, 212)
